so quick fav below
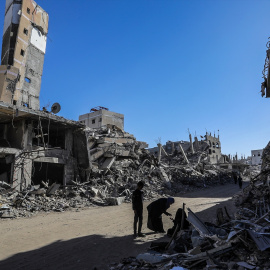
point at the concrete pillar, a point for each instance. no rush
(191, 144)
(159, 152)
(184, 154)
(196, 144)
(69, 166)
(173, 148)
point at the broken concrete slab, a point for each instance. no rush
(165, 177)
(51, 190)
(107, 163)
(115, 201)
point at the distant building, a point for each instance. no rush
(256, 157)
(101, 116)
(214, 151)
(210, 143)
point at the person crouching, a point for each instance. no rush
(155, 211)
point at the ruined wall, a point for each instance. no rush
(256, 157)
(112, 118)
(8, 79)
(214, 148)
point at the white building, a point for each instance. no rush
(256, 157)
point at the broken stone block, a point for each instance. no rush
(165, 177)
(115, 201)
(108, 163)
(94, 191)
(51, 190)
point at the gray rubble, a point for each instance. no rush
(238, 242)
(117, 161)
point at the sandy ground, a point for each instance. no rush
(93, 237)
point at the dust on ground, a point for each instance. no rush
(94, 237)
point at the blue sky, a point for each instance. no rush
(167, 65)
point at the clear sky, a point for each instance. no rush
(167, 65)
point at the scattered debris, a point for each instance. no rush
(117, 161)
(242, 242)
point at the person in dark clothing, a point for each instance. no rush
(234, 174)
(240, 181)
(155, 211)
(137, 206)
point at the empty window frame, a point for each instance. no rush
(27, 80)
(25, 31)
(22, 52)
(93, 121)
(28, 10)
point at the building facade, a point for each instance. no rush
(214, 151)
(102, 117)
(256, 157)
(23, 50)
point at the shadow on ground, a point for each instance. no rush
(79, 253)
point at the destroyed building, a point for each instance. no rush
(214, 148)
(92, 161)
(209, 142)
(35, 146)
(23, 50)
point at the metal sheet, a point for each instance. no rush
(197, 223)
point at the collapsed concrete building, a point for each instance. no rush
(210, 143)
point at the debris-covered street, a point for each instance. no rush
(180, 179)
(100, 235)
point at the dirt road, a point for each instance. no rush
(94, 237)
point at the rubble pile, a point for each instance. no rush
(117, 161)
(233, 244)
(239, 242)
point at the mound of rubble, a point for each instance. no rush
(116, 162)
(236, 244)
(239, 242)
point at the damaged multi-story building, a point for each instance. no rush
(35, 145)
(23, 50)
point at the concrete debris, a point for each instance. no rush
(241, 242)
(109, 163)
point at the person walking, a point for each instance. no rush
(137, 206)
(240, 181)
(155, 211)
(234, 176)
